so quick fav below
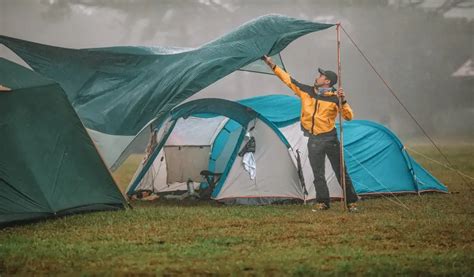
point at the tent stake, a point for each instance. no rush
(341, 130)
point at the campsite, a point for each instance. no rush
(159, 145)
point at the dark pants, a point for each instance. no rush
(318, 148)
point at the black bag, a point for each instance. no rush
(249, 147)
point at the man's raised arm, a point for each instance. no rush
(294, 85)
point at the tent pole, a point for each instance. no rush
(341, 130)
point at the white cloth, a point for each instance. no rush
(248, 160)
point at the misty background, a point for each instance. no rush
(424, 49)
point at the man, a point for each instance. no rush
(319, 108)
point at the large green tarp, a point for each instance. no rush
(49, 165)
(118, 90)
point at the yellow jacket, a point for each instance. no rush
(318, 112)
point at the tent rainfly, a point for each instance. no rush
(137, 84)
(209, 134)
(49, 165)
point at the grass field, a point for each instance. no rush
(435, 236)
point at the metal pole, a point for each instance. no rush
(341, 130)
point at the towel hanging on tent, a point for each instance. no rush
(250, 165)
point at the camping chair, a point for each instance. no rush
(212, 179)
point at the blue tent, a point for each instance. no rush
(376, 159)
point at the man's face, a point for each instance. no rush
(321, 81)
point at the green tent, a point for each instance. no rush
(49, 165)
(117, 91)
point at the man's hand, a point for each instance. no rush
(268, 61)
(340, 93)
(2, 88)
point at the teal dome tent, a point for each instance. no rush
(49, 165)
(376, 159)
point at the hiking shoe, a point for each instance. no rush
(352, 207)
(320, 207)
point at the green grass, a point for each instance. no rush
(435, 236)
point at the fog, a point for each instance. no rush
(417, 46)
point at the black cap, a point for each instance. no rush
(330, 75)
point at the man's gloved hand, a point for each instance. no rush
(341, 94)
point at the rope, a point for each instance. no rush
(440, 163)
(399, 101)
(384, 196)
(380, 183)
